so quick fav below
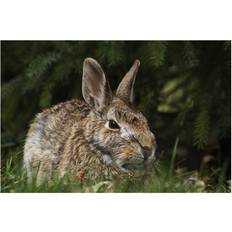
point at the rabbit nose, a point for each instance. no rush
(146, 152)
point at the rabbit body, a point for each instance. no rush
(84, 139)
(56, 142)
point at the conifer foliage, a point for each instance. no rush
(186, 80)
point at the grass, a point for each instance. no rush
(166, 179)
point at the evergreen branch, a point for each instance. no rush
(201, 129)
(11, 86)
(190, 55)
(155, 53)
(112, 52)
(41, 64)
(37, 68)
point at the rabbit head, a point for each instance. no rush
(115, 129)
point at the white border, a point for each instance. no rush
(117, 20)
(115, 212)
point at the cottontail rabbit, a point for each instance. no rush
(100, 136)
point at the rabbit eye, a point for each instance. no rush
(113, 125)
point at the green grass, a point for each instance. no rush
(166, 179)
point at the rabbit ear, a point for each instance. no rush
(126, 87)
(95, 87)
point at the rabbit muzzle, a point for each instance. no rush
(137, 157)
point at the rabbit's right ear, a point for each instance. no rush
(126, 87)
(95, 87)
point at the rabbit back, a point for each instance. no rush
(46, 138)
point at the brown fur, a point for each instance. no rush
(74, 137)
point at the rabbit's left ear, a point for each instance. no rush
(95, 87)
(126, 87)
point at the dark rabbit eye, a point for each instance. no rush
(113, 125)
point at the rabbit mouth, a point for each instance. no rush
(133, 166)
(138, 166)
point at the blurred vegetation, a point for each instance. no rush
(183, 88)
(162, 179)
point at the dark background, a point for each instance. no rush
(183, 88)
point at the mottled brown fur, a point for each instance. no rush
(74, 137)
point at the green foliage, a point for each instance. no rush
(160, 180)
(190, 55)
(40, 65)
(154, 53)
(110, 52)
(10, 87)
(201, 129)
